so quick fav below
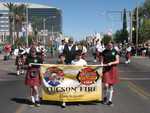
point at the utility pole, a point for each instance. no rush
(44, 30)
(137, 27)
(131, 19)
(27, 25)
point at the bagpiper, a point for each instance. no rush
(20, 54)
(128, 54)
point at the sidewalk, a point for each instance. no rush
(2, 56)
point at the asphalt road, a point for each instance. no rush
(132, 94)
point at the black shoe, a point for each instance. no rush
(104, 101)
(109, 103)
(37, 103)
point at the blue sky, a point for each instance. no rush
(84, 17)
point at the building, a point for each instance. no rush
(4, 20)
(49, 17)
(43, 19)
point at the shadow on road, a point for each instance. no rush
(70, 103)
(55, 103)
(11, 73)
(21, 101)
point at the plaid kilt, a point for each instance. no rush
(33, 77)
(111, 76)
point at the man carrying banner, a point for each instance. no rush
(32, 78)
(69, 51)
(110, 59)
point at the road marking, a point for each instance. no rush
(5, 80)
(129, 78)
(138, 90)
(20, 109)
(123, 71)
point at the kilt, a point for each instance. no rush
(84, 55)
(33, 77)
(128, 55)
(110, 76)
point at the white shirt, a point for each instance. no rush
(99, 48)
(129, 49)
(70, 47)
(61, 48)
(84, 50)
(116, 48)
(16, 51)
(80, 62)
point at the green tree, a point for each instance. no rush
(20, 17)
(118, 36)
(144, 25)
(122, 35)
(16, 17)
(144, 31)
(124, 29)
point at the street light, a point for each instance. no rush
(52, 27)
(44, 30)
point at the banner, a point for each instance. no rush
(70, 83)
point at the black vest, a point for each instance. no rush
(69, 54)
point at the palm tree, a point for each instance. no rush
(10, 6)
(20, 17)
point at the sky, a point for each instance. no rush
(85, 17)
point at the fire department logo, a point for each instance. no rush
(87, 76)
(54, 76)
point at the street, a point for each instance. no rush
(81, 33)
(132, 94)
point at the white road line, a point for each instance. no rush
(128, 78)
(3, 80)
(123, 71)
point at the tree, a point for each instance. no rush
(118, 36)
(16, 15)
(124, 29)
(144, 31)
(144, 22)
(121, 36)
(20, 17)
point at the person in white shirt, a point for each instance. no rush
(128, 54)
(78, 59)
(61, 47)
(83, 48)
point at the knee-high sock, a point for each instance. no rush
(33, 99)
(37, 97)
(107, 92)
(110, 93)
